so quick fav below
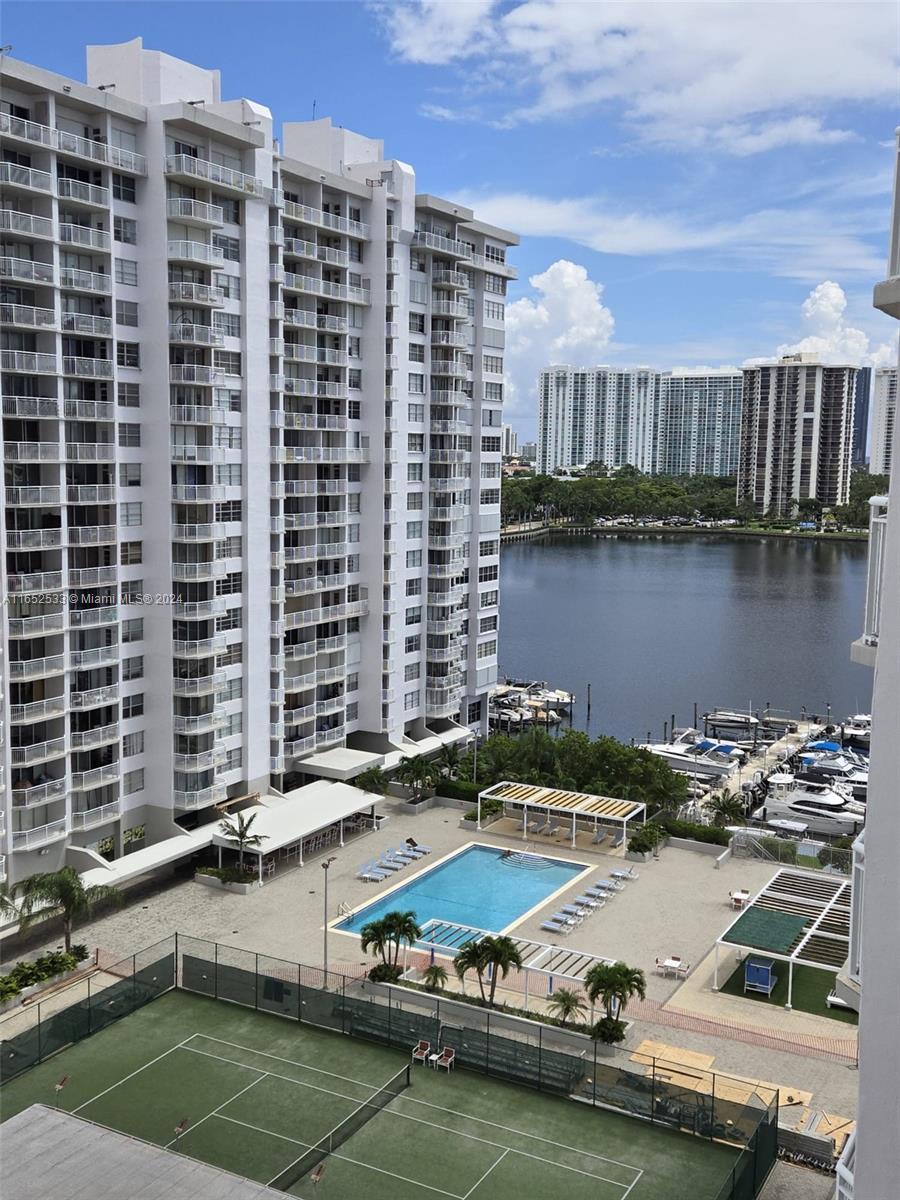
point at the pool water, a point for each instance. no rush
(477, 887)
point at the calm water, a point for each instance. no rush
(656, 625)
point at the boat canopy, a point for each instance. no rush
(833, 746)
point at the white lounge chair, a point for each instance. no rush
(579, 911)
(556, 927)
(592, 902)
(387, 863)
(553, 830)
(599, 837)
(567, 918)
(369, 873)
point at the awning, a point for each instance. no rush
(340, 763)
(285, 820)
(142, 862)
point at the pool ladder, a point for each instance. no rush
(344, 909)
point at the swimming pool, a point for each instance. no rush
(481, 886)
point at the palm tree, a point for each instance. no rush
(377, 936)
(8, 906)
(402, 927)
(614, 984)
(448, 761)
(64, 890)
(565, 1003)
(501, 954)
(416, 773)
(472, 956)
(373, 780)
(726, 808)
(237, 829)
(435, 978)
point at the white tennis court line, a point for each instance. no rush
(480, 1181)
(428, 1104)
(191, 1128)
(125, 1078)
(275, 1075)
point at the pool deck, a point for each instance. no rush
(679, 905)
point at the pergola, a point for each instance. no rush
(572, 805)
(798, 917)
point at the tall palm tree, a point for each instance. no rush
(501, 953)
(416, 773)
(566, 1003)
(373, 780)
(402, 927)
(614, 984)
(376, 936)
(8, 905)
(435, 977)
(63, 890)
(472, 956)
(238, 829)
(726, 808)
(448, 761)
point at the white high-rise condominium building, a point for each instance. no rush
(796, 434)
(672, 422)
(884, 420)
(252, 436)
(510, 442)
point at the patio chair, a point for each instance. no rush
(660, 968)
(556, 927)
(567, 918)
(592, 902)
(445, 1059)
(599, 838)
(618, 839)
(576, 910)
(534, 826)
(421, 1051)
(600, 893)
(553, 830)
(545, 828)
(683, 970)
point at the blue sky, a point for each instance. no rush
(696, 184)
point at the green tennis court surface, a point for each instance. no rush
(252, 1093)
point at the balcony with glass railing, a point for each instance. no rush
(195, 335)
(196, 293)
(30, 796)
(29, 180)
(32, 539)
(76, 280)
(87, 818)
(91, 535)
(35, 581)
(200, 799)
(90, 493)
(195, 212)
(28, 361)
(185, 166)
(90, 451)
(87, 368)
(84, 235)
(30, 225)
(323, 220)
(89, 194)
(441, 244)
(196, 374)
(25, 756)
(27, 270)
(95, 326)
(90, 739)
(94, 697)
(25, 316)
(195, 252)
(41, 835)
(199, 685)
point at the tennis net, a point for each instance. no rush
(342, 1132)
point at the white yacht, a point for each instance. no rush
(836, 766)
(822, 807)
(692, 753)
(858, 729)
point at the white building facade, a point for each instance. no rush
(669, 422)
(796, 434)
(883, 420)
(252, 441)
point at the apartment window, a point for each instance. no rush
(490, 445)
(491, 470)
(228, 437)
(229, 475)
(230, 247)
(230, 657)
(490, 496)
(233, 725)
(416, 352)
(411, 671)
(412, 644)
(232, 619)
(128, 354)
(131, 513)
(487, 624)
(493, 311)
(123, 188)
(230, 284)
(353, 347)
(416, 384)
(234, 759)
(486, 574)
(415, 412)
(492, 417)
(133, 781)
(352, 711)
(133, 668)
(129, 433)
(131, 554)
(415, 443)
(129, 474)
(132, 706)
(492, 364)
(414, 616)
(410, 701)
(230, 510)
(354, 379)
(415, 472)
(227, 323)
(415, 501)
(352, 684)
(354, 316)
(233, 690)
(414, 558)
(227, 399)
(486, 649)
(495, 284)
(132, 591)
(132, 744)
(231, 585)
(352, 563)
(413, 529)
(416, 322)
(488, 599)
(414, 586)
(127, 271)
(133, 630)
(230, 207)
(230, 547)
(228, 361)
(125, 230)
(128, 395)
(126, 313)
(493, 391)
(488, 549)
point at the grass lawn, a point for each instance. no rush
(256, 1091)
(811, 986)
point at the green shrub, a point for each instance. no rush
(228, 874)
(696, 833)
(459, 789)
(645, 839)
(834, 856)
(489, 809)
(8, 988)
(385, 973)
(609, 1031)
(26, 974)
(780, 849)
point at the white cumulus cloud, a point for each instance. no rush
(831, 338)
(564, 320)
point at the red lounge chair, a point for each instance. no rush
(446, 1058)
(421, 1051)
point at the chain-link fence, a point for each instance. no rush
(808, 853)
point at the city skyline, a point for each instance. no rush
(784, 192)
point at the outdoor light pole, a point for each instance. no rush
(325, 865)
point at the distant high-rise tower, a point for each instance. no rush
(884, 420)
(861, 400)
(510, 442)
(796, 434)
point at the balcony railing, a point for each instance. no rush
(194, 212)
(84, 235)
(26, 317)
(209, 172)
(196, 374)
(94, 697)
(28, 361)
(90, 451)
(84, 281)
(42, 793)
(23, 756)
(878, 506)
(443, 245)
(195, 335)
(27, 269)
(89, 817)
(196, 293)
(85, 781)
(38, 581)
(30, 839)
(315, 216)
(195, 252)
(201, 799)
(87, 368)
(38, 710)
(32, 451)
(91, 738)
(73, 322)
(26, 223)
(83, 193)
(25, 177)
(27, 131)
(32, 539)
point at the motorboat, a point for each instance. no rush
(693, 754)
(822, 807)
(841, 766)
(858, 729)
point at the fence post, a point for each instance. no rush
(256, 984)
(40, 1055)
(90, 1014)
(176, 973)
(487, 1043)
(712, 1123)
(540, 1058)
(390, 1014)
(299, 994)
(216, 970)
(594, 1080)
(133, 982)
(653, 1090)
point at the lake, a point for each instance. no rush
(657, 624)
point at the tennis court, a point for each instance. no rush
(255, 1095)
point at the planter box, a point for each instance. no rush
(242, 889)
(639, 855)
(712, 848)
(35, 989)
(486, 823)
